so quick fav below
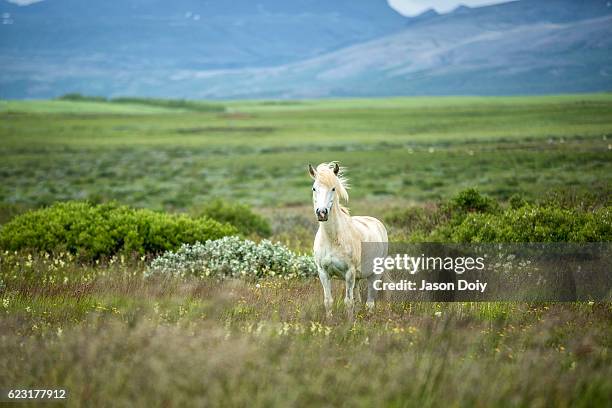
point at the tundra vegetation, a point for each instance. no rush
(98, 294)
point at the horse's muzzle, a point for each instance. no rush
(322, 214)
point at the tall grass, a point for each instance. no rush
(110, 337)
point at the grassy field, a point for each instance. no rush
(112, 337)
(405, 150)
(108, 336)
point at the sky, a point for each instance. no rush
(415, 7)
(23, 2)
(406, 7)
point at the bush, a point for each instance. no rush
(598, 196)
(410, 218)
(531, 223)
(470, 201)
(239, 215)
(412, 224)
(233, 257)
(472, 217)
(517, 201)
(436, 224)
(94, 231)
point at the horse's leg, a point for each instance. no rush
(349, 299)
(371, 291)
(328, 300)
(358, 287)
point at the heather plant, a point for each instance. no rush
(233, 257)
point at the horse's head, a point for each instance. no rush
(328, 187)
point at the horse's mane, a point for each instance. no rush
(327, 177)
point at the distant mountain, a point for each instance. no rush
(194, 33)
(531, 59)
(301, 48)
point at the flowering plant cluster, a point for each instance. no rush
(233, 257)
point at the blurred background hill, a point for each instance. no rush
(301, 48)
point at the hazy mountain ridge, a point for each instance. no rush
(537, 58)
(344, 48)
(187, 33)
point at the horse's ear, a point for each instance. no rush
(336, 168)
(312, 171)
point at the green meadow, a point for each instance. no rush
(109, 335)
(397, 150)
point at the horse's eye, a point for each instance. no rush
(334, 189)
(313, 189)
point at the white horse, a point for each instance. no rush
(337, 245)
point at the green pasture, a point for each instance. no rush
(397, 149)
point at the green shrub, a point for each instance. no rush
(470, 200)
(472, 217)
(410, 217)
(437, 224)
(239, 215)
(94, 231)
(517, 201)
(531, 223)
(599, 196)
(414, 220)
